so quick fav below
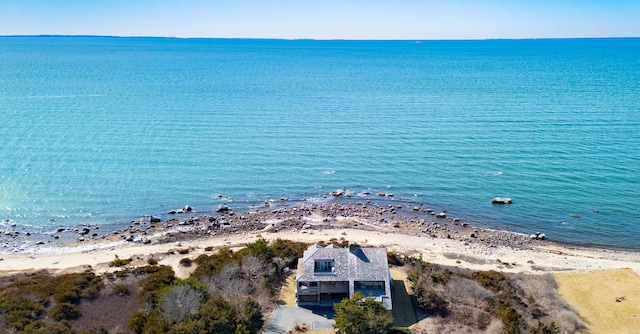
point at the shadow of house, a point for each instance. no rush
(326, 275)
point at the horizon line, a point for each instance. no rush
(319, 39)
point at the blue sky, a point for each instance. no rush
(332, 19)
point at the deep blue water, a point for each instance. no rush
(103, 130)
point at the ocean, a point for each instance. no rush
(104, 130)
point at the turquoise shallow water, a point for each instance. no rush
(103, 130)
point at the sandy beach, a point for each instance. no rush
(538, 259)
(411, 231)
(406, 231)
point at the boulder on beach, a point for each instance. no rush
(339, 192)
(537, 236)
(222, 208)
(501, 200)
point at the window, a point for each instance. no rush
(369, 285)
(323, 266)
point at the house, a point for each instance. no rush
(329, 274)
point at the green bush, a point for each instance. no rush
(40, 327)
(265, 283)
(64, 311)
(251, 316)
(288, 250)
(121, 289)
(20, 313)
(156, 278)
(491, 279)
(152, 262)
(137, 322)
(97, 330)
(359, 315)
(259, 248)
(208, 265)
(395, 259)
(117, 262)
(186, 262)
(72, 287)
(25, 300)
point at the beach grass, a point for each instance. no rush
(608, 300)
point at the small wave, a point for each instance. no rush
(329, 172)
(42, 97)
(317, 200)
(495, 173)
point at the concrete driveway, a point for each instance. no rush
(285, 317)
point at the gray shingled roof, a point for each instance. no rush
(359, 264)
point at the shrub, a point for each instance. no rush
(156, 278)
(152, 262)
(208, 248)
(431, 302)
(64, 311)
(180, 301)
(186, 262)
(117, 262)
(251, 316)
(72, 287)
(259, 248)
(137, 322)
(395, 259)
(359, 315)
(98, 330)
(491, 279)
(288, 250)
(265, 283)
(121, 289)
(38, 327)
(209, 265)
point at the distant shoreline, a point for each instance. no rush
(412, 40)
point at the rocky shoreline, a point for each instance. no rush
(186, 224)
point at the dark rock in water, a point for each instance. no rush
(501, 200)
(338, 192)
(172, 212)
(441, 215)
(537, 236)
(187, 208)
(155, 219)
(222, 208)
